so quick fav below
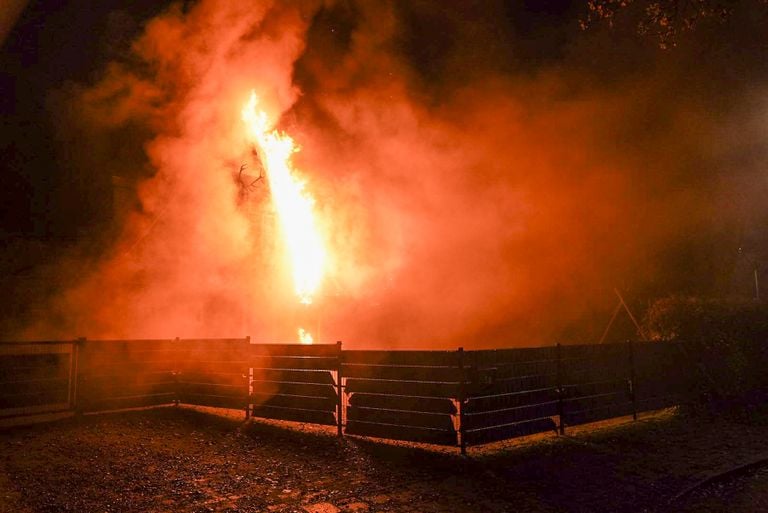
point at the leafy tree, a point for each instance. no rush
(663, 20)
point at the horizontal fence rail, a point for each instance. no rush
(295, 382)
(36, 377)
(402, 395)
(456, 398)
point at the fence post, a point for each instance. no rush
(176, 372)
(339, 390)
(247, 378)
(72, 396)
(560, 392)
(632, 384)
(77, 377)
(462, 400)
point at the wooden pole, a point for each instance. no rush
(73, 356)
(462, 401)
(176, 371)
(632, 317)
(560, 408)
(248, 377)
(78, 387)
(339, 391)
(632, 385)
(610, 323)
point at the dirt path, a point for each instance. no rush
(187, 460)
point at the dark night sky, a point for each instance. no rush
(53, 42)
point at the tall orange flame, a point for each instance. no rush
(294, 205)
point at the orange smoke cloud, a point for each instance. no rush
(490, 210)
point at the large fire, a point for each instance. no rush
(294, 205)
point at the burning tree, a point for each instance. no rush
(293, 203)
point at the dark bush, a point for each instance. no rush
(726, 341)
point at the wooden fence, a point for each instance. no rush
(459, 397)
(36, 377)
(402, 395)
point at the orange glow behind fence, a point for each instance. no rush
(293, 203)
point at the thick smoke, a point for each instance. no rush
(467, 197)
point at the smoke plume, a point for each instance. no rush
(468, 196)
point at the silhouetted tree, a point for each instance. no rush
(663, 20)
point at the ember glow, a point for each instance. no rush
(305, 337)
(293, 203)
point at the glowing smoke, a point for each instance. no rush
(477, 207)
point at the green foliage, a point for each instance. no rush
(727, 340)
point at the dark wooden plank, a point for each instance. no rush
(402, 373)
(509, 416)
(484, 403)
(394, 402)
(494, 357)
(596, 388)
(34, 398)
(235, 402)
(119, 403)
(574, 418)
(108, 390)
(186, 388)
(596, 373)
(513, 385)
(412, 358)
(295, 415)
(391, 432)
(408, 388)
(124, 365)
(212, 344)
(28, 374)
(592, 351)
(401, 418)
(327, 350)
(598, 360)
(221, 378)
(20, 367)
(307, 389)
(322, 377)
(36, 345)
(144, 378)
(214, 354)
(220, 367)
(143, 355)
(593, 402)
(33, 386)
(295, 401)
(517, 369)
(289, 362)
(89, 347)
(498, 433)
(11, 361)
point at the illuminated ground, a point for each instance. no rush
(195, 461)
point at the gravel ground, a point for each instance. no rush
(201, 460)
(744, 493)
